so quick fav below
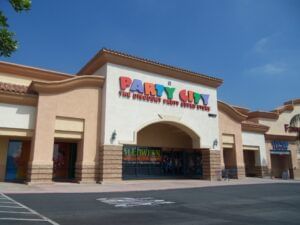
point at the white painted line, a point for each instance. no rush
(9, 206)
(7, 202)
(16, 212)
(44, 218)
(22, 219)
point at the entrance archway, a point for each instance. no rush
(163, 132)
(163, 150)
(164, 135)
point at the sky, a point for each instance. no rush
(253, 45)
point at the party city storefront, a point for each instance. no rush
(123, 117)
(120, 117)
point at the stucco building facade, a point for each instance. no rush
(124, 117)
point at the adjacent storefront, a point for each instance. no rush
(281, 160)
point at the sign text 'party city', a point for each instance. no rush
(157, 93)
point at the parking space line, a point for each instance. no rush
(15, 212)
(33, 212)
(9, 206)
(22, 219)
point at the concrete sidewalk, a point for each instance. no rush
(134, 185)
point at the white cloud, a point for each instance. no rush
(268, 69)
(260, 45)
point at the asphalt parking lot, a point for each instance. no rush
(246, 204)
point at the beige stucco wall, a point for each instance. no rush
(3, 155)
(82, 104)
(15, 79)
(228, 126)
(277, 126)
(69, 124)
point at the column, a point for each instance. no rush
(110, 162)
(211, 164)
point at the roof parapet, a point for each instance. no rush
(119, 58)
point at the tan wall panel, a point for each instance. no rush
(69, 124)
(226, 145)
(68, 135)
(250, 147)
(15, 132)
(228, 138)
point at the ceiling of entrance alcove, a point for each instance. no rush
(164, 135)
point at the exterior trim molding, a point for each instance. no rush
(67, 84)
(260, 114)
(274, 114)
(242, 110)
(16, 132)
(21, 99)
(280, 137)
(254, 127)
(293, 102)
(61, 134)
(283, 108)
(231, 111)
(110, 56)
(251, 147)
(32, 72)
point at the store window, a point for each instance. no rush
(147, 162)
(17, 160)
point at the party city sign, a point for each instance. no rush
(158, 93)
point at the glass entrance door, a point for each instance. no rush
(17, 160)
(192, 164)
(64, 159)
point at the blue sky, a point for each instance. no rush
(254, 45)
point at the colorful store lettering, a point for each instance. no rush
(153, 93)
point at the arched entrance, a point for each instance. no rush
(163, 150)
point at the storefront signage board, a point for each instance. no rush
(161, 94)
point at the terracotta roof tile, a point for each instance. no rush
(14, 88)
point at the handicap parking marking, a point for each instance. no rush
(8, 211)
(126, 202)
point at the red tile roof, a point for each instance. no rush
(14, 88)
